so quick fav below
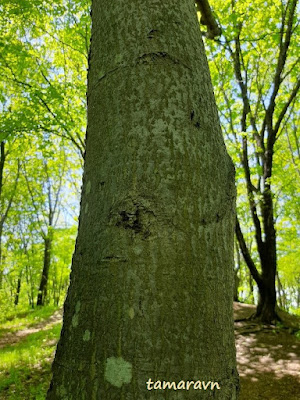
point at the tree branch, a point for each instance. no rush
(4, 216)
(283, 49)
(286, 106)
(80, 145)
(250, 190)
(43, 233)
(208, 19)
(246, 254)
(2, 162)
(235, 55)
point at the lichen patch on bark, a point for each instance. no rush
(131, 312)
(75, 320)
(88, 187)
(117, 371)
(77, 307)
(75, 316)
(86, 336)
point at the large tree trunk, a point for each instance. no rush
(42, 293)
(152, 275)
(267, 302)
(266, 308)
(267, 252)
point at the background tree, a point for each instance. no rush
(43, 68)
(254, 66)
(8, 189)
(44, 187)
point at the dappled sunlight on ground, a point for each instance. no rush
(16, 336)
(268, 360)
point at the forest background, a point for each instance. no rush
(254, 65)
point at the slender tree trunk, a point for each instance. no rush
(42, 293)
(281, 293)
(152, 275)
(251, 293)
(1, 261)
(236, 286)
(18, 290)
(2, 162)
(4, 212)
(236, 273)
(30, 286)
(60, 286)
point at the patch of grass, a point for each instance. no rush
(25, 366)
(13, 320)
(25, 384)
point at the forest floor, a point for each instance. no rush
(11, 338)
(268, 357)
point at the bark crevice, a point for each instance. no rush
(144, 59)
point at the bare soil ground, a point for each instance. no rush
(268, 357)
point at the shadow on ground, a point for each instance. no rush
(268, 359)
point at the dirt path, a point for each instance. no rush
(14, 337)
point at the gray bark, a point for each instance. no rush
(152, 274)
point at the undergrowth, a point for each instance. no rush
(25, 366)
